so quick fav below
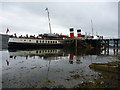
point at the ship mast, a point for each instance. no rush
(49, 19)
(92, 27)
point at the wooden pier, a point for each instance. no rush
(115, 44)
(93, 42)
(85, 43)
(98, 45)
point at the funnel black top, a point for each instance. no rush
(79, 30)
(71, 29)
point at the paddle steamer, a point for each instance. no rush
(45, 40)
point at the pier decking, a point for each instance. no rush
(115, 44)
(94, 42)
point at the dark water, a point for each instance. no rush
(57, 68)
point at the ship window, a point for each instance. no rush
(51, 41)
(36, 51)
(48, 42)
(43, 41)
(40, 41)
(55, 41)
(39, 51)
(29, 40)
(24, 40)
(36, 41)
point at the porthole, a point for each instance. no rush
(36, 41)
(55, 41)
(37, 52)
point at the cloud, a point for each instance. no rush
(31, 18)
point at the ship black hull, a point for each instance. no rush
(12, 45)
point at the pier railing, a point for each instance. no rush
(115, 42)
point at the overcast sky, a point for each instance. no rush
(31, 17)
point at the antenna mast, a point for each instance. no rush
(49, 19)
(92, 27)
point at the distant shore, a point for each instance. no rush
(4, 41)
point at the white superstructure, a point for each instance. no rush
(33, 41)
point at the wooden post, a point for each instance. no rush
(76, 43)
(117, 43)
(117, 51)
(108, 43)
(76, 46)
(114, 51)
(107, 51)
(114, 43)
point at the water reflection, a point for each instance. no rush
(50, 54)
(57, 53)
(7, 62)
(53, 54)
(111, 51)
(53, 67)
